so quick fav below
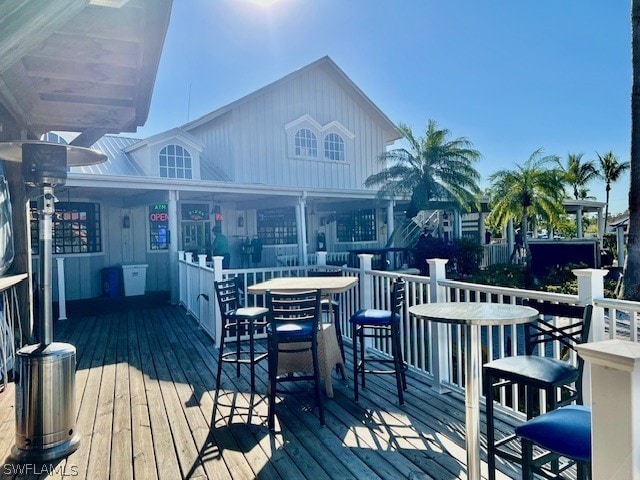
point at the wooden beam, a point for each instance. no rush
(88, 137)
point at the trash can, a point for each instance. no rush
(110, 278)
(135, 279)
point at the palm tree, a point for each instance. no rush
(631, 278)
(432, 168)
(530, 191)
(578, 174)
(611, 170)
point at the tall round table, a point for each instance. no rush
(473, 316)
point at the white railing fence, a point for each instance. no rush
(437, 350)
(495, 253)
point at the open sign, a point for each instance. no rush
(159, 217)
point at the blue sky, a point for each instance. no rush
(511, 76)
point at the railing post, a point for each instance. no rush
(202, 280)
(217, 318)
(440, 352)
(181, 277)
(615, 418)
(590, 286)
(62, 293)
(321, 258)
(366, 282)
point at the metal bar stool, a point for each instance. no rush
(381, 324)
(293, 328)
(535, 372)
(565, 432)
(240, 321)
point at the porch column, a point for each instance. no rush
(440, 331)
(390, 223)
(615, 418)
(510, 237)
(620, 242)
(590, 286)
(601, 225)
(579, 222)
(301, 222)
(172, 206)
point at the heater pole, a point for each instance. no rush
(45, 319)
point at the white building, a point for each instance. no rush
(284, 165)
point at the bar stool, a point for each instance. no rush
(239, 321)
(293, 328)
(565, 432)
(535, 372)
(380, 324)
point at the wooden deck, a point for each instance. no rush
(145, 387)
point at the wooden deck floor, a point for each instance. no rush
(145, 386)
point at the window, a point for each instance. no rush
(356, 226)
(334, 147)
(175, 162)
(306, 144)
(76, 228)
(277, 226)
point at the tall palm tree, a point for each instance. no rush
(631, 278)
(431, 168)
(579, 173)
(611, 170)
(528, 192)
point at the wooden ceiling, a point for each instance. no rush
(84, 66)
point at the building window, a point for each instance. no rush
(76, 228)
(356, 226)
(175, 162)
(306, 144)
(277, 226)
(334, 147)
(159, 227)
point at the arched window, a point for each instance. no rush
(306, 144)
(175, 162)
(334, 147)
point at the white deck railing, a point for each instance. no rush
(435, 350)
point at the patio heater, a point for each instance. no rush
(45, 371)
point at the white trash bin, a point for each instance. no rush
(134, 279)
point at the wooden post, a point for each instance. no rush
(615, 417)
(217, 318)
(440, 352)
(366, 282)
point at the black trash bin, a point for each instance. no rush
(111, 282)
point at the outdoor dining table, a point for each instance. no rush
(329, 353)
(473, 316)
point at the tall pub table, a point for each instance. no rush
(328, 349)
(473, 316)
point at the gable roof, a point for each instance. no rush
(391, 132)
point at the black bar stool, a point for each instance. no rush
(240, 321)
(385, 324)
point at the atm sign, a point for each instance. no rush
(158, 213)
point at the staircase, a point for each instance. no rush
(408, 230)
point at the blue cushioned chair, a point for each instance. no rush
(241, 322)
(380, 324)
(293, 328)
(565, 432)
(533, 372)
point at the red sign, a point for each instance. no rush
(159, 217)
(218, 217)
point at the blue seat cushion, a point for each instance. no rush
(565, 431)
(293, 332)
(372, 316)
(540, 371)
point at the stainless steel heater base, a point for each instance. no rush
(45, 402)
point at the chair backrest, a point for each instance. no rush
(544, 333)
(301, 309)
(398, 295)
(228, 295)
